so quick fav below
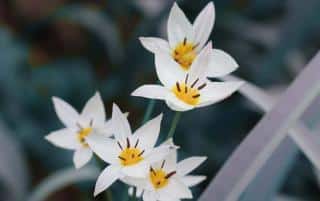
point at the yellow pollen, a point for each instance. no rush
(82, 134)
(130, 156)
(159, 178)
(187, 94)
(184, 54)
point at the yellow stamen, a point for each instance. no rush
(82, 134)
(130, 156)
(187, 94)
(184, 54)
(159, 178)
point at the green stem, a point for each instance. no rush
(149, 111)
(134, 194)
(174, 124)
(107, 196)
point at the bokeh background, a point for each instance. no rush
(71, 49)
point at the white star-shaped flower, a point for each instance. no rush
(186, 40)
(185, 91)
(168, 180)
(128, 154)
(78, 127)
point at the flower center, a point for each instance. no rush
(82, 134)
(187, 94)
(130, 155)
(184, 54)
(159, 178)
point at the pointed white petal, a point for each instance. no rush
(149, 133)
(107, 129)
(66, 113)
(168, 71)
(171, 161)
(217, 91)
(151, 91)
(155, 45)
(221, 64)
(81, 157)
(187, 165)
(203, 25)
(106, 148)
(176, 104)
(94, 111)
(140, 170)
(64, 138)
(191, 181)
(199, 67)
(149, 196)
(140, 183)
(120, 124)
(158, 154)
(179, 26)
(176, 189)
(106, 178)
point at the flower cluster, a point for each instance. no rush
(184, 66)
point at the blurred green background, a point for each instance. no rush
(71, 49)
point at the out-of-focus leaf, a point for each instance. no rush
(13, 168)
(61, 179)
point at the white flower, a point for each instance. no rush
(185, 91)
(168, 180)
(186, 40)
(128, 154)
(78, 127)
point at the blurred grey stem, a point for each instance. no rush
(252, 154)
(174, 124)
(265, 186)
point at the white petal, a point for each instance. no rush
(217, 91)
(82, 156)
(106, 148)
(106, 178)
(176, 104)
(155, 45)
(64, 138)
(221, 64)
(139, 170)
(168, 71)
(149, 133)
(191, 181)
(179, 26)
(149, 196)
(66, 113)
(199, 67)
(140, 183)
(187, 165)
(176, 189)
(94, 111)
(120, 124)
(158, 154)
(151, 91)
(203, 25)
(107, 129)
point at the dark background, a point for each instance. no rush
(70, 49)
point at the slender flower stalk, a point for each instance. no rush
(149, 111)
(174, 124)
